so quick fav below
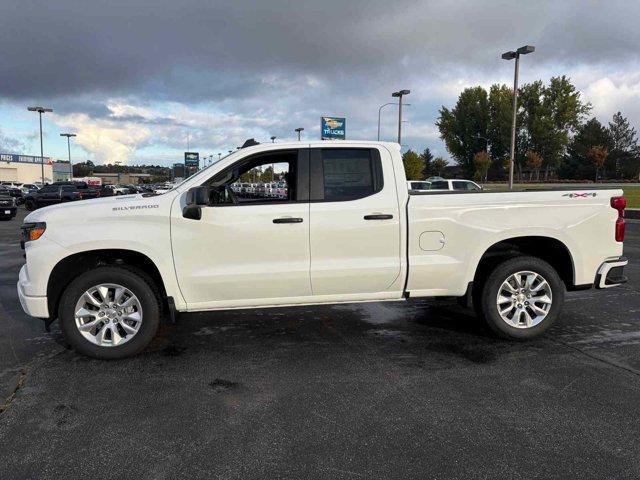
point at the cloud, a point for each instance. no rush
(10, 144)
(227, 70)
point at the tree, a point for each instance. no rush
(550, 114)
(482, 162)
(413, 165)
(533, 162)
(598, 155)
(577, 164)
(623, 159)
(498, 140)
(427, 157)
(438, 165)
(463, 127)
(267, 175)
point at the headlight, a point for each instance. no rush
(33, 231)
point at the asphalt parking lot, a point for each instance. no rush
(393, 390)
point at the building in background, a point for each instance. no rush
(24, 168)
(61, 171)
(123, 178)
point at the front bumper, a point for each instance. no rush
(610, 273)
(32, 306)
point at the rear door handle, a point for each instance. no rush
(287, 220)
(378, 216)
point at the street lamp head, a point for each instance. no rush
(526, 49)
(68, 135)
(273, 138)
(509, 55)
(39, 109)
(400, 93)
(299, 129)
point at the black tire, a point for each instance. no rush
(138, 283)
(30, 205)
(485, 297)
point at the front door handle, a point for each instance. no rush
(287, 220)
(378, 216)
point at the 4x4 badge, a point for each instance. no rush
(580, 195)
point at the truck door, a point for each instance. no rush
(247, 249)
(355, 222)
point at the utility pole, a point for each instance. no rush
(40, 111)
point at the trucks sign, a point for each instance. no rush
(191, 159)
(333, 128)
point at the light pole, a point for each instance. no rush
(219, 156)
(379, 113)
(510, 56)
(273, 139)
(69, 135)
(399, 94)
(299, 129)
(40, 111)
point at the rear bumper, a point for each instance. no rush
(611, 273)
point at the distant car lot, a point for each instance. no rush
(355, 391)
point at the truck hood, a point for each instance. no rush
(105, 207)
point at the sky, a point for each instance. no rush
(140, 81)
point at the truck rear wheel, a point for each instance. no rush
(109, 312)
(521, 298)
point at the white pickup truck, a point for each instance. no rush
(348, 230)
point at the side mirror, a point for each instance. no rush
(197, 197)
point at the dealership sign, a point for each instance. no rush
(333, 128)
(192, 159)
(11, 158)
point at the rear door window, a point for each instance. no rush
(343, 174)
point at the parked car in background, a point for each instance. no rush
(85, 190)
(107, 191)
(14, 192)
(51, 195)
(418, 185)
(8, 208)
(458, 185)
(28, 187)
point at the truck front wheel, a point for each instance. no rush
(109, 312)
(521, 298)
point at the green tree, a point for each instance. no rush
(463, 127)
(577, 164)
(413, 165)
(499, 127)
(482, 162)
(623, 160)
(550, 114)
(427, 158)
(267, 175)
(438, 165)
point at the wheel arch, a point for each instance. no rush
(67, 269)
(550, 249)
